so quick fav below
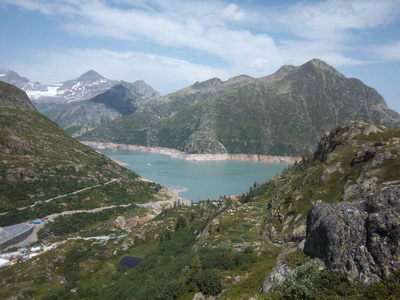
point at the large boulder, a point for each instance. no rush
(358, 239)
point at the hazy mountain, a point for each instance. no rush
(40, 161)
(86, 86)
(65, 102)
(281, 114)
(13, 78)
(80, 116)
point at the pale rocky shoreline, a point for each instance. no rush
(195, 157)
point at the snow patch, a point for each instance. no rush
(51, 91)
(1, 75)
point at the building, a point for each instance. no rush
(14, 234)
(4, 262)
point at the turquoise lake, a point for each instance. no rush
(198, 180)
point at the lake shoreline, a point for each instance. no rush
(173, 153)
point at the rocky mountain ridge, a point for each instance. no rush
(86, 86)
(86, 102)
(281, 114)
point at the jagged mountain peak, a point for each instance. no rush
(90, 75)
(318, 64)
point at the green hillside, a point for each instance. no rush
(340, 205)
(39, 161)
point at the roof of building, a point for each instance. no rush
(9, 232)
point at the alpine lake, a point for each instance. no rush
(197, 180)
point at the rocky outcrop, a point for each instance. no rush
(358, 239)
(278, 274)
(13, 97)
(282, 273)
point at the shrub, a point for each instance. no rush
(210, 283)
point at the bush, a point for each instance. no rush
(300, 284)
(210, 283)
(172, 291)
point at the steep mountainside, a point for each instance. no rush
(340, 205)
(281, 114)
(80, 116)
(39, 161)
(12, 97)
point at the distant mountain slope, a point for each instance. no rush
(281, 114)
(13, 78)
(40, 161)
(80, 116)
(66, 102)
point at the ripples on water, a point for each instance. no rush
(198, 180)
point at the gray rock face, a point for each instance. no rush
(358, 239)
(278, 274)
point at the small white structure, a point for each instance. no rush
(4, 262)
(36, 249)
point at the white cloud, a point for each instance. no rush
(232, 12)
(245, 38)
(390, 52)
(336, 20)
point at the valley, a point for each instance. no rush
(323, 224)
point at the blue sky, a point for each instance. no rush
(172, 44)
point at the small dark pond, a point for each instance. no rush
(130, 261)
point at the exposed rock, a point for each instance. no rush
(200, 296)
(358, 239)
(278, 274)
(299, 232)
(282, 272)
(301, 245)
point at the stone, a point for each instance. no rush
(301, 245)
(278, 274)
(358, 239)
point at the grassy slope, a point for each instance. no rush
(241, 241)
(40, 161)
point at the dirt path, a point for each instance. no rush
(61, 196)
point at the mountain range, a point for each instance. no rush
(84, 103)
(281, 114)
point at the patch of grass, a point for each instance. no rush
(295, 259)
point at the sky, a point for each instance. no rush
(173, 43)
